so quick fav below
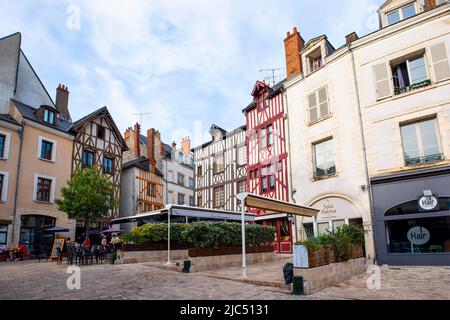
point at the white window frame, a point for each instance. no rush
(7, 145)
(400, 11)
(416, 125)
(52, 188)
(5, 185)
(408, 68)
(54, 149)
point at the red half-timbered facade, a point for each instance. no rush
(267, 157)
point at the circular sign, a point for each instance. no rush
(418, 235)
(428, 203)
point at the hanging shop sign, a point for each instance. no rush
(428, 203)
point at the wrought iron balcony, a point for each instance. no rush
(424, 159)
(412, 87)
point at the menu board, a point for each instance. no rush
(301, 257)
(58, 243)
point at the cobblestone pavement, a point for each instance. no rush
(32, 280)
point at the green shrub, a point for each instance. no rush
(311, 243)
(356, 233)
(203, 234)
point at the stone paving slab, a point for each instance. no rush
(139, 281)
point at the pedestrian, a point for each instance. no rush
(104, 241)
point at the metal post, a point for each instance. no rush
(168, 235)
(244, 258)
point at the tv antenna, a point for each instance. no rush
(141, 115)
(275, 75)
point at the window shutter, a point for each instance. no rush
(382, 81)
(440, 62)
(313, 116)
(323, 101)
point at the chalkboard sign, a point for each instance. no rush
(300, 257)
(58, 243)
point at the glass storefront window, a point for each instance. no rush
(419, 236)
(309, 229)
(323, 228)
(284, 230)
(3, 233)
(338, 223)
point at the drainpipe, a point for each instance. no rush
(290, 161)
(21, 130)
(366, 164)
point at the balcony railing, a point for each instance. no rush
(425, 159)
(412, 87)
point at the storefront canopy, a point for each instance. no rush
(271, 205)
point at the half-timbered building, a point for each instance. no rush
(267, 167)
(98, 143)
(221, 169)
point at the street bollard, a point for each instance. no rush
(297, 286)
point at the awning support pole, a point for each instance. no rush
(168, 235)
(244, 257)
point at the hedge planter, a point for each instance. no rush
(222, 251)
(153, 247)
(357, 251)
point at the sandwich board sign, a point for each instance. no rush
(58, 243)
(300, 255)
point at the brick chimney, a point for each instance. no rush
(151, 145)
(186, 146)
(351, 37)
(136, 147)
(293, 45)
(62, 102)
(430, 5)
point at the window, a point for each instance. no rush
(315, 60)
(100, 132)
(3, 233)
(242, 155)
(49, 116)
(46, 150)
(2, 145)
(88, 159)
(151, 189)
(181, 199)
(180, 179)
(338, 224)
(199, 171)
(434, 232)
(219, 197)
(2, 178)
(199, 201)
(191, 183)
(219, 163)
(323, 228)
(242, 186)
(268, 178)
(421, 142)
(108, 165)
(191, 201)
(318, 104)
(324, 159)
(309, 230)
(43, 190)
(401, 14)
(410, 74)
(266, 137)
(262, 102)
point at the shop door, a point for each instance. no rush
(33, 235)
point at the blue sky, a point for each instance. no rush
(189, 63)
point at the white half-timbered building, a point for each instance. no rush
(221, 169)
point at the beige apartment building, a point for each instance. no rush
(40, 150)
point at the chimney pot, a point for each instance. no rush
(62, 102)
(351, 37)
(151, 145)
(136, 144)
(293, 45)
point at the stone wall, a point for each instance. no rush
(126, 257)
(325, 276)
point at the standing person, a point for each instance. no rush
(87, 242)
(104, 241)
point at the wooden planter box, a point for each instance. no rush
(357, 251)
(321, 257)
(153, 247)
(223, 251)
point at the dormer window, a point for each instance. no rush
(262, 101)
(401, 14)
(315, 60)
(49, 116)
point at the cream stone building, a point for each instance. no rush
(369, 129)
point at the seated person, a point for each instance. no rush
(21, 251)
